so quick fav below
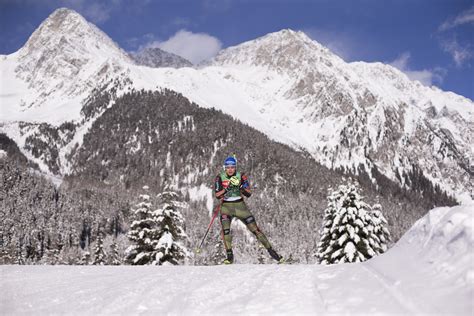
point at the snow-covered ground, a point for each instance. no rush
(429, 272)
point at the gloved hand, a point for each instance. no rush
(244, 185)
(234, 181)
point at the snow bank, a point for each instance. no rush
(443, 239)
(445, 234)
(433, 263)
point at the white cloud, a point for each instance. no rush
(195, 47)
(425, 76)
(459, 53)
(447, 35)
(462, 18)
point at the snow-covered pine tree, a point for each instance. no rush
(5, 257)
(99, 252)
(114, 257)
(380, 234)
(144, 232)
(351, 231)
(51, 256)
(329, 214)
(20, 254)
(170, 247)
(85, 259)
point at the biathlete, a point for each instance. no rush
(231, 186)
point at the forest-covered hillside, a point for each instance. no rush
(161, 139)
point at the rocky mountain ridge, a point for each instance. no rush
(346, 115)
(379, 117)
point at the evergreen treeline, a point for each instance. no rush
(43, 224)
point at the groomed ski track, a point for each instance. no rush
(206, 290)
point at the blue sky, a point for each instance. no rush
(430, 40)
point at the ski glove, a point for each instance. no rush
(234, 181)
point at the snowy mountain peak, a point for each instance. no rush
(67, 32)
(65, 57)
(156, 58)
(290, 36)
(283, 50)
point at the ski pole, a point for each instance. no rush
(218, 208)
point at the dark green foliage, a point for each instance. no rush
(40, 223)
(100, 256)
(13, 152)
(46, 142)
(114, 256)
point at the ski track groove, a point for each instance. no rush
(192, 294)
(240, 293)
(404, 302)
(317, 291)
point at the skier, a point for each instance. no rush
(230, 186)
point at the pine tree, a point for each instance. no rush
(352, 231)
(144, 233)
(85, 259)
(51, 256)
(20, 254)
(114, 258)
(170, 247)
(99, 252)
(378, 224)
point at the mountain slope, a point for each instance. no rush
(293, 89)
(156, 58)
(362, 113)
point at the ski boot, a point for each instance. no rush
(230, 257)
(275, 255)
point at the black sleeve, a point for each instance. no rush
(218, 184)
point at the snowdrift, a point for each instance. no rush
(445, 239)
(430, 271)
(434, 261)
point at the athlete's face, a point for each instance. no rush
(230, 170)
